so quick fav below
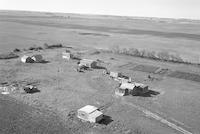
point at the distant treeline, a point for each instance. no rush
(161, 56)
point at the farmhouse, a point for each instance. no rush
(90, 113)
(131, 88)
(88, 63)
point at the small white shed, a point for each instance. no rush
(26, 59)
(66, 55)
(115, 74)
(123, 80)
(23, 58)
(90, 113)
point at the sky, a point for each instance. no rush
(144, 8)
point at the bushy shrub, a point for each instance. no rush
(46, 46)
(35, 48)
(164, 55)
(16, 50)
(123, 51)
(176, 58)
(152, 55)
(114, 48)
(134, 52)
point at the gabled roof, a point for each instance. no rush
(88, 109)
(127, 86)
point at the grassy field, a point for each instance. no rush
(28, 28)
(173, 98)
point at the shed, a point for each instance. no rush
(121, 92)
(26, 59)
(115, 74)
(88, 63)
(124, 80)
(66, 55)
(90, 113)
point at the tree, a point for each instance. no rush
(114, 48)
(176, 58)
(164, 56)
(134, 52)
(152, 55)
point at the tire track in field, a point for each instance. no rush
(157, 117)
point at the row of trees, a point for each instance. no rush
(164, 56)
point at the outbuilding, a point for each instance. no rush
(115, 74)
(88, 63)
(27, 59)
(124, 80)
(23, 58)
(131, 88)
(66, 55)
(90, 113)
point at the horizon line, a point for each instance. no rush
(95, 14)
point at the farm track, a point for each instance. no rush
(158, 118)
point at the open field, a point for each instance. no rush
(177, 100)
(174, 36)
(172, 106)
